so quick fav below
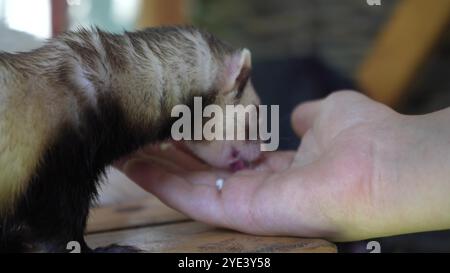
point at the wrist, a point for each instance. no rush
(409, 187)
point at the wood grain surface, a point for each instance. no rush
(153, 227)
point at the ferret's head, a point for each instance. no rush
(233, 87)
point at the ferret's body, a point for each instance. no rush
(85, 99)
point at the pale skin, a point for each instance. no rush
(361, 171)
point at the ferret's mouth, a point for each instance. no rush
(237, 163)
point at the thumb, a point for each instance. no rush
(304, 116)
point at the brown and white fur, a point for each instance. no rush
(73, 106)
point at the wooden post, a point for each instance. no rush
(162, 12)
(402, 48)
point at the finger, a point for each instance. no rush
(165, 154)
(144, 172)
(308, 151)
(275, 161)
(171, 152)
(304, 116)
(158, 163)
(206, 177)
(201, 202)
(254, 203)
(229, 207)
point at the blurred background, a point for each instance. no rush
(397, 52)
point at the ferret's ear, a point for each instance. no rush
(238, 67)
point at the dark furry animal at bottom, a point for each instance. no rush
(85, 99)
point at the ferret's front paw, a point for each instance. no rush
(114, 248)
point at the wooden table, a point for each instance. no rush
(153, 227)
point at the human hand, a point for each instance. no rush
(342, 183)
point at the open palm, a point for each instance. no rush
(316, 191)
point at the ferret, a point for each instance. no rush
(86, 98)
